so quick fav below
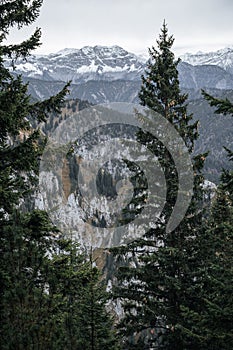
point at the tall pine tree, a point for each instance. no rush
(160, 282)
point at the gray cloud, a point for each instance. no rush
(134, 24)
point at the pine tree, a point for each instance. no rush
(22, 253)
(214, 319)
(223, 106)
(45, 280)
(213, 322)
(26, 315)
(77, 300)
(95, 325)
(20, 145)
(160, 281)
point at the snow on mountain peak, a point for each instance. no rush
(66, 51)
(222, 58)
(105, 63)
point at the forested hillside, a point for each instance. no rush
(168, 286)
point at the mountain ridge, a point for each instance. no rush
(222, 58)
(123, 86)
(112, 63)
(79, 65)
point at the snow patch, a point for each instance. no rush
(29, 67)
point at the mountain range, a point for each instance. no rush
(103, 74)
(81, 65)
(222, 58)
(101, 65)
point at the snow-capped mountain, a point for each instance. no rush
(81, 65)
(102, 74)
(222, 58)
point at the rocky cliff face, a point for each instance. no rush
(111, 74)
(84, 183)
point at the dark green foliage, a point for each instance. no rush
(158, 280)
(20, 145)
(215, 317)
(213, 320)
(227, 176)
(160, 90)
(52, 297)
(211, 323)
(19, 13)
(46, 284)
(222, 106)
(95, 326)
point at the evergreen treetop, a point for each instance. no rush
(157, 280)
(160, 89)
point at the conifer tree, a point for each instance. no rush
(223, 106)
(20, 145)
(95, 325)
(44, 280)
(23, 250)
(160, 284)
(213, 320)
(211, 324)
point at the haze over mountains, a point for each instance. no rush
(103, 74)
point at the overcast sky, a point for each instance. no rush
(133, 24)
